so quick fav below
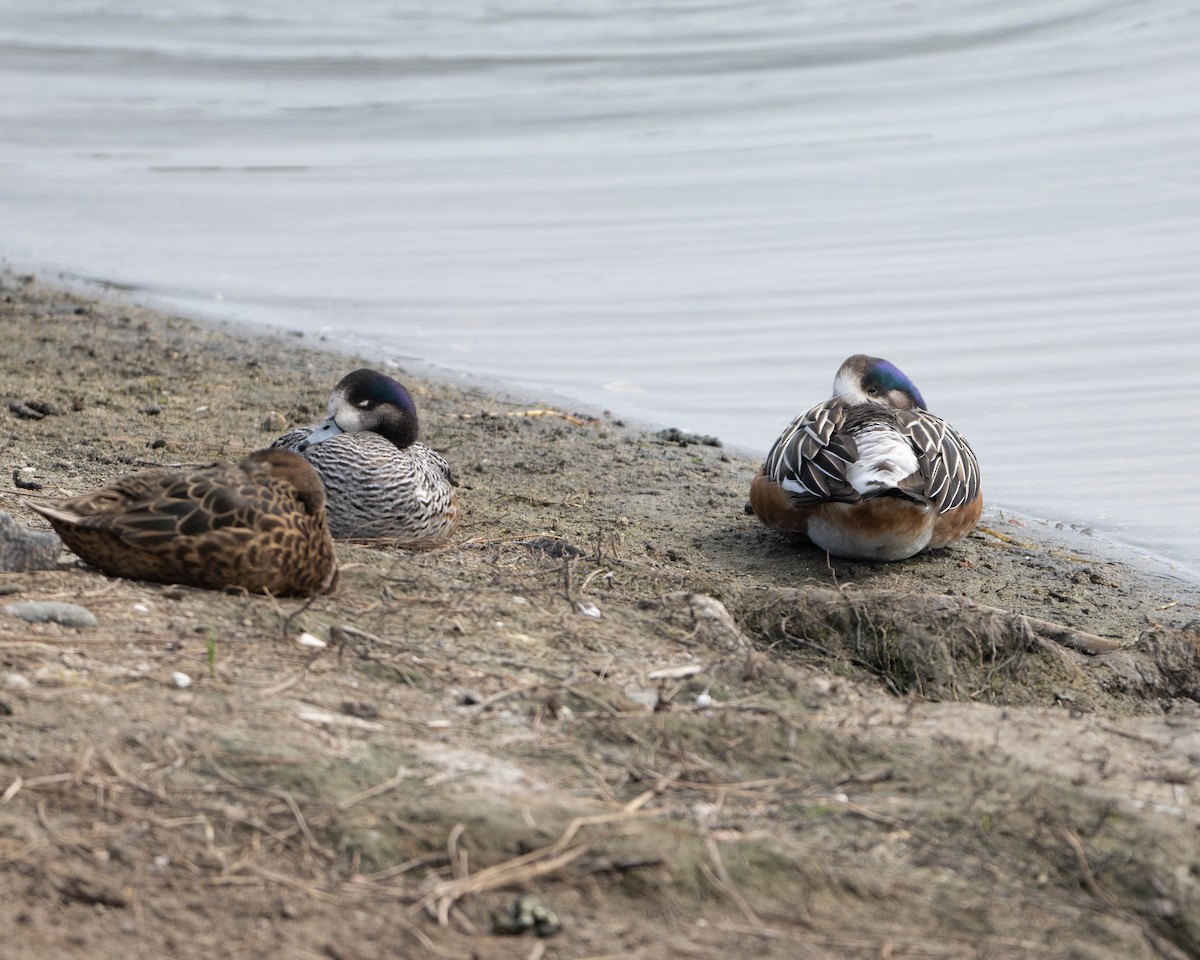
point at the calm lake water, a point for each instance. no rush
(689, 215)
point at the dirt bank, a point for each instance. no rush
(613, 692)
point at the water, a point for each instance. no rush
(688, 215)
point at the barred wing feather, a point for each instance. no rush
(811, 459)
(949, 472)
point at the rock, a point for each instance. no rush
(588, 610)
(33, 409)
(47, 611)
(526, 913)
(684, 439)
(713, 623)
(274, 422)
(22, 548)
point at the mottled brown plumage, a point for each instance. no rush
(259, 525)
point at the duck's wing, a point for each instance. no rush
(948, 474)
(812, 457)
(148, 510)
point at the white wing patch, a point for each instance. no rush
(885, 459)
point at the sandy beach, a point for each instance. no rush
(615, 694)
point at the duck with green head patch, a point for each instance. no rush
(870, 474)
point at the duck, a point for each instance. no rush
(258, 525)
(870, 473)
(380, 481)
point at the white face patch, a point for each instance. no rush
(847, 387)
(884, 460)
(353, 419)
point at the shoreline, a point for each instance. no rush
(612, 691)
(1106, 543)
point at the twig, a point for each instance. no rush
(527, 866)
(517, 870)
(287, 798)
(13, 789)
(1060, 633)
(125, 778)
(288, 881)
(423, 938)
(396, 869)
(745, 788)
(342, 806)
(458, 862)
(266, 693)
(568, 586)
(718, 876)
(862, 812)
(598, 572)
(342, 634)
(1089, 879)
(510, 692)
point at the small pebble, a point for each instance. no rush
(274, 422)
(47, 611)
(704, 700)
(526, 913)
(181, 680)
(308, 640)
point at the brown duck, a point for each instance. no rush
(259, 525)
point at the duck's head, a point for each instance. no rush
(294, 470)
(367, 401)
(863, 379)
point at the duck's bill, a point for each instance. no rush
(326, 430)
